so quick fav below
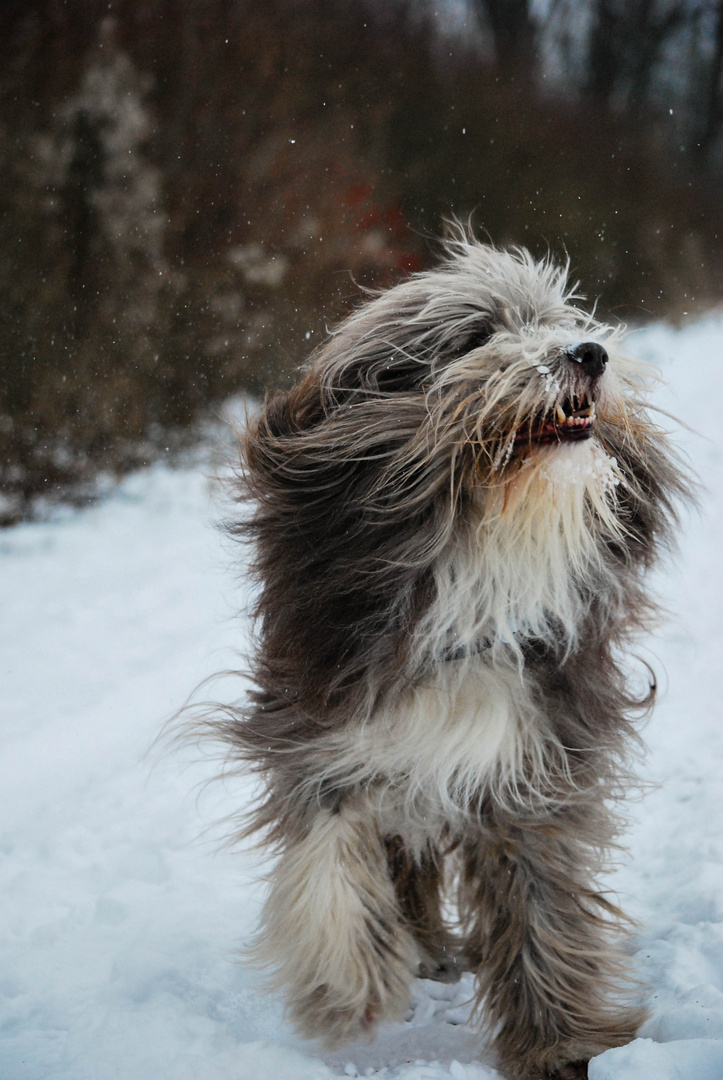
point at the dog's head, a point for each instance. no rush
(472, 424)
(469, 372)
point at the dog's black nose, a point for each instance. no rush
(591, 357)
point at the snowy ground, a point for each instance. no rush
(118, 913)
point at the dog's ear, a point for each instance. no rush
(379, 370)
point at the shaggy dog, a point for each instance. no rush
(453, 511)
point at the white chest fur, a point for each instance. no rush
(526, 562)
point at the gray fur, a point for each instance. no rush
(448, 578)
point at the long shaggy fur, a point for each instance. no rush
(451, 514)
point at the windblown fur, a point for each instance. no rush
(451, 515)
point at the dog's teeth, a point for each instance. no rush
(589, 406)
(561, 418)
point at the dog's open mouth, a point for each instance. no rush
(571, 420)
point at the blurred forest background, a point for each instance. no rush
(193, 189)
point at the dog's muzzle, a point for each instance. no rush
(573, 417)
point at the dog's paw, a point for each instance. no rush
(323, 1013)
(332, 1016)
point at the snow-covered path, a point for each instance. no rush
(118, 915)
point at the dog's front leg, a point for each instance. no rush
(541, 937)
(332, 931)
